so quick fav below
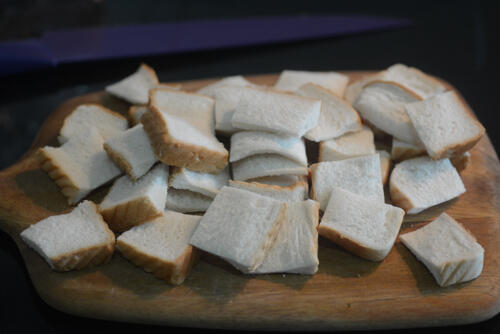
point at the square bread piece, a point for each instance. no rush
(129, 203)
(401, 150)
(135, 88)
(236, 80)
(240, 227)
(444, 125)
(336, 117)
(266, 165)
(78, 166)
(187, 201)
(135, 113)
(278, 112)
(107, 122)
(291, 80)
(419, 183)
(204, 183)
(385, 164)
(364, 227)
(447, 249)
(161, 246)
(131, 151)
(292, 193)
(296, 247)
(350, 145)
(180, 127)
(360, 175)
(248, 143)
(382, 103)
(76, 240)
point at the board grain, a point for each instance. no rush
(346, 293)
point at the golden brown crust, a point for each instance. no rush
(123, 216)
(151, 72)
(131, 115)
(461, 162)
(172, 272)
(176, 153)
(119, 160)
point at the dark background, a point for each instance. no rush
(456, 41)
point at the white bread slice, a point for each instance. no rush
(240, 227)
(131, 151)
(266, 165)
(76, 240)
(382, 103)
(401, 150)
(135, 88)
(291, 80)
(278, 112)
(226, 100)
(354, 88)
(236, 80)
(107, 122)
(78, 166)
(180, 128)
(444, 126)
(135, 113)
(296, 247)
(461, 162)
(350, 145)
(248, 143)
(447, 249)
(414, 79)
(161, 246)
(187, 201)
(293, 193)
(385, 164)
(203, 183)
(361, 175)
(364, 227)
(130, 203)
(280, 180)
(336, 117)
(419, 183)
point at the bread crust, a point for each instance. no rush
(177, 153)
(131, 117)
(151, 72)
(171, 272)
(454, 150)
(461, 162)
(398, 198)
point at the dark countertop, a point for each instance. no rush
(454, 41)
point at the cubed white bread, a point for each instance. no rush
(382, 103)
(292, 193)
(354, 88)
(461, 161)
(130, 203)
(361, 175)
(350, 145)
(266, 165)
(248, 143)
(236, 80)
(226, 100)
(277, 112)
(204, 183)
(78, 166)
(131, 151)
(296, 247)
(414, 79)
(419, 183)
(240, 227)
(186, 201)
(161, 246)
(447, 249)
(365, 227)
(444, 125)
(336, 117)
(135, 88)
(280, 180)
(76, 240)
(385, 164)
(77, 124)
(180, 127)
(135, 113)
(291, 80)
(401, 150)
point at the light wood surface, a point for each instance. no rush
(346, 293)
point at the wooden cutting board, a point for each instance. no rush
(346, 293)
